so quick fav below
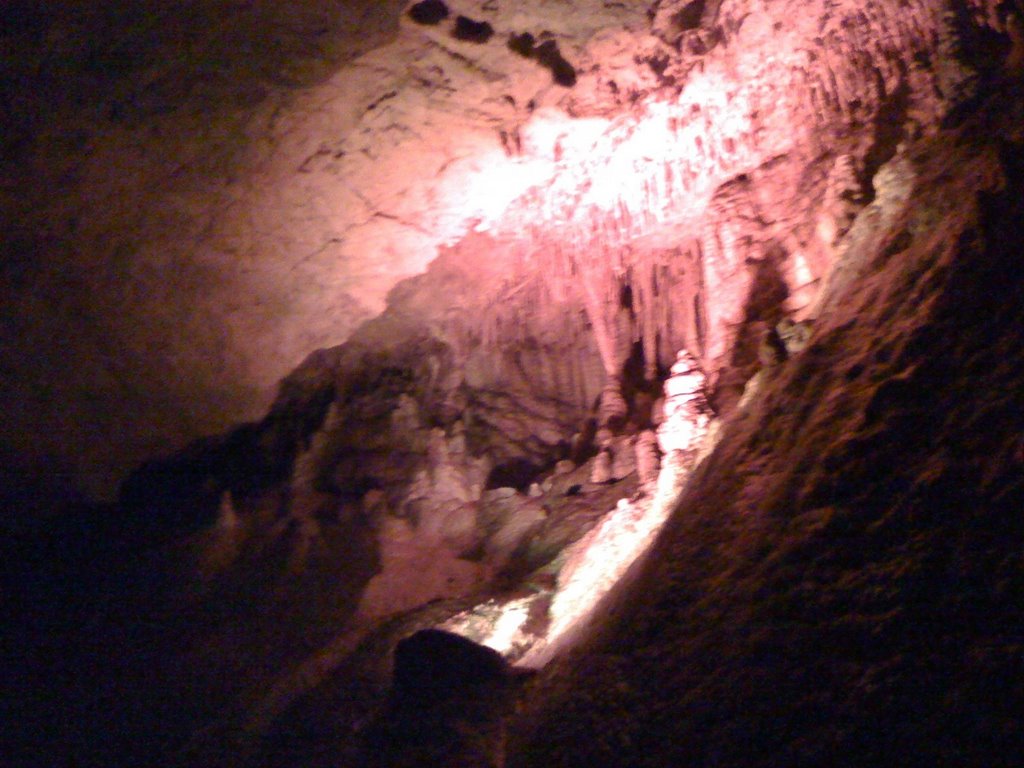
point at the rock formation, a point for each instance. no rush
(806, 604)
(445, 708)
(686, 168)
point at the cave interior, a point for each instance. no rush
(490, 384)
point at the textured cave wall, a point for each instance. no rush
(152, 291)
(842, 582)
(201, 195)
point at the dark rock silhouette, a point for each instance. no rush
(447, 707)
(472, 31)
(546, 54)
(429, 12)
(549, 57)
(522, 44)
(433, 664)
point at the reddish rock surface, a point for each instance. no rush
(837, 586)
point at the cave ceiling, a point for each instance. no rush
(200, 197)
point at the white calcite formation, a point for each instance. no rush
(686, 411)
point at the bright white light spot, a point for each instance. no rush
(601, 559)
(551, 134)
(801, 269)
(508, 628)
(496, 625)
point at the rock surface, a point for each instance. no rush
(445, 708)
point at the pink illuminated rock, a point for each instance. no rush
(414, 571)
(648, 459)
(236, 233)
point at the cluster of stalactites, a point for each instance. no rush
(655, 173)
(652, 305)
(517, 330)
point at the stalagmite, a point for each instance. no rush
(613, 409)
(648, 458)
(623, 457)
(602, 469)
(686, 409)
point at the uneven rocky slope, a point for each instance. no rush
(842, 583)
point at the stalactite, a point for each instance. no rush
(649, 321)
(688, 291)
(613, 409)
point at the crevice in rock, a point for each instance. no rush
(429, 12)
(471, 31)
